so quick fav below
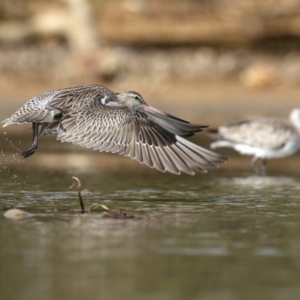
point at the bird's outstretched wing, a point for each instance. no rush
(43, 107)
(128, 132)
(76, 97)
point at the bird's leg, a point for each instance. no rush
(263, 168)
(254, 165)
(33, 147)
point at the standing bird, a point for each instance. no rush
(95, 117)
(263, 138)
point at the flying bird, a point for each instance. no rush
(264, 138)
(94, 116)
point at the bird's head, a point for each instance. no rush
(131, 99)
(295, 117)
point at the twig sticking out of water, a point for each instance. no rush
(79, 188)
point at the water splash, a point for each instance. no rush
(10, 160)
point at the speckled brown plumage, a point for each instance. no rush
(95, 117)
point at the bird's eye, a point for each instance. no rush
(136, 98)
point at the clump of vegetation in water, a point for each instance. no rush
(108, 213)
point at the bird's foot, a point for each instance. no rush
(260, 171)
(263, 171)
(29, 151)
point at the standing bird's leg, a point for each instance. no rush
(254, 165)
(263, 168)
(33, 147)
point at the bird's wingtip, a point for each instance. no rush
(5, 122)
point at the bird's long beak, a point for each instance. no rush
(152, 109)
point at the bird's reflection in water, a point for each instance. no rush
(260, 182)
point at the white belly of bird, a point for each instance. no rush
(49, 117)
(289, 148)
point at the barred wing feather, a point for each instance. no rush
(131, 133)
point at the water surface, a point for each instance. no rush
(225, 235)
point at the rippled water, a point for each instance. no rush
(223, 235)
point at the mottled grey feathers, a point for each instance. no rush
(95, 117)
